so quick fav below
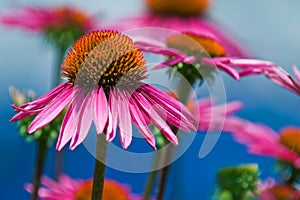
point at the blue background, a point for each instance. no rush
(269, 28)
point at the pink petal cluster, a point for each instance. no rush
(260, 139)
(238, 67)
(143, 106)
(40, 19)
(214, 117)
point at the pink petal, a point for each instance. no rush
(138, 119)
(112, 117)
(51, 110)
(46, 98)
(69, 124)
(296, 72)
(251, 63)
(156, 119)
(170, 104)
(85, 119)
(100, 110)
(229, 70)
(124, 119)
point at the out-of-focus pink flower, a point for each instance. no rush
(71, 189)
(211, 116)
(105, 70)
(185, 17)
(276, 192)
(40, 19)
(261, 140)
(245, 67)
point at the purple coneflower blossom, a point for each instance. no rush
(71, 189)
(38, 19)
(262, 140)
(184, 17)
(105, 70)
(259, 138)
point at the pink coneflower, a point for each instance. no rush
(105, 71)
(262, 140)
(60, 26)
(185, 17)
(71, 189)
(247, 67)
(44, 19)
(259, 138)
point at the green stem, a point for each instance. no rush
(58, 155)
(39, 166)
(183, 93)
(99, 171)
(151, 177)
(164, 172)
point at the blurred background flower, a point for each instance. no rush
(67, 188)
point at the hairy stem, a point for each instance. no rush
(99, 171)
(39, 166)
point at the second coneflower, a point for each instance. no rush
(105, 71)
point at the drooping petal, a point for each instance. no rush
(85, 119)
(156, 119)
(52, 110)
(138, 119)
(46, 98)
(124, 119)
(113, 116)
(69, 123)
(100, 110)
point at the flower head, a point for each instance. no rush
(105, 70)
(71, 189)
(61, 25)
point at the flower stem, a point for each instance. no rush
(183, 93)
(168, 155)
(39, 166)
(58, 155)
(151, 177)
(99, 171)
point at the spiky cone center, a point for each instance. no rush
(197, 46)
(112, 191)
(106, 59)
(178, 7)
(290, 137)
